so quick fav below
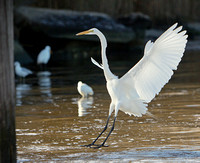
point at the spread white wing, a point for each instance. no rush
(156, 67)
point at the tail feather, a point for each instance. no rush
(134, 107)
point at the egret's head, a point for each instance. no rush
(48, 47)
(17, 63)
(92, 31)
(80, 82)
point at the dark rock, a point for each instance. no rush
(65, 24)
(153, 34)
(20, 54)
(193, 29)
(37, 27)
(136, 21)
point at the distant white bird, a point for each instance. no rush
(21, 71)
(44, 55)
(84, 89)
(143, 82)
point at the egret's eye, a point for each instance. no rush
(91, 30)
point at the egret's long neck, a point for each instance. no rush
(108, 74)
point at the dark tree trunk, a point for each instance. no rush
(7, 100)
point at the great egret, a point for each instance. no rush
(84, 89)
(44, 55)
(141, 83)
(21, 71)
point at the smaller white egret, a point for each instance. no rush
(21, 71)
(84, 89)
(44, 55)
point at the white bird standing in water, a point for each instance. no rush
(141, 83)
(84, 89)
(44, 55)
(21, 71)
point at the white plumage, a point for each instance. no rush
(44, 55)
(140, 84)
(156, 67)
(21, 71)
(84, 89)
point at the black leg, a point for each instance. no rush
(113, 126)
(40, 67)
(45, 67)
(89, 145)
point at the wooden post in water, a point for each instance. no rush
(7, 89)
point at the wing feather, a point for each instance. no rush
(156, 67)
(26, 70)
(96, 63)
(87, 89)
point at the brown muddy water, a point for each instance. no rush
(53, 121)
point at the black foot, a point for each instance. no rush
(99, 146)
(88, 145)
(95, 146)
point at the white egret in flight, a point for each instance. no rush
(84, 89)
(21, 71)
(143, 82)
(44, 56)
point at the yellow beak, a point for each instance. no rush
(83, 33)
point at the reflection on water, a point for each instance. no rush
(53, 121)
(44, 83)
(84, 103)
(21, 91)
